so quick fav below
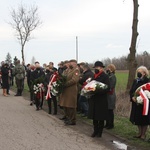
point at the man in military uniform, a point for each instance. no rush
(19, 73)
(69, 95)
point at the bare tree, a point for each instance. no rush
(132, 56)
(24, 21)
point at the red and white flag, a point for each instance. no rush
(48, 95)
(145, 102)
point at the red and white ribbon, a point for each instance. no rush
(48, 95)
(145, 102)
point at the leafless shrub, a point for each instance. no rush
(123, 104)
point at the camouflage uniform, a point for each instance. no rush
(19, 73)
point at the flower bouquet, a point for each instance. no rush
(142, 96)
(38, 87)
(38, 90)
(92, 87)
(56, 85)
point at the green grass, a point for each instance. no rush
(125, 129)
(122, 78)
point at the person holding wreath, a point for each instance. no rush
(98, 104)
(136, 116)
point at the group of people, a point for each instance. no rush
(99, 107)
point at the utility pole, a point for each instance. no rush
(76, 48)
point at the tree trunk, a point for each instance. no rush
(22, 53)
(132, 58)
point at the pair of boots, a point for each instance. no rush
(5, 92)
(98, 128)
(19, 92)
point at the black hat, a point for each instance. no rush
(98, 64)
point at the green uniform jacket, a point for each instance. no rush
(19, 72)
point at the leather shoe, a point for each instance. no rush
(110, 127)
(70, 123)
(94, 134)
(63, 118)
(17, 94)
(137, 136)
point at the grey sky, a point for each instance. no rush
(103, 28)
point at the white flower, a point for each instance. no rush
(88, 80)
(53, 90)
(147, 93)
(91, 87)
(139, 100)
(54, 84)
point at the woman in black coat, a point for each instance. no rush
(98, 104)
(136, 116)
(5, 73)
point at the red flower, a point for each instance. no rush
(148, 86)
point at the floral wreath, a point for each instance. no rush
(142, 95)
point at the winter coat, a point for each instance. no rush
(38, 73)
(98, 103)
(136, 116)
(19, 72)
(87, 74)
(5, 73)
(69, 96)
(112, 93)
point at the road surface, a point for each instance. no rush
(23, 128)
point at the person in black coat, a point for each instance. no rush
(38, 77)
(136, 117)
(98, 104)
(48, 77)
(86, 74)
(30, 79)
(5, 75)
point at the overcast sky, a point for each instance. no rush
(103, 28)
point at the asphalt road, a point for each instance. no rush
(23, 128)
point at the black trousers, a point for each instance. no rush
(39, 101)
(98, 126)
(110, 121)
(49, 102)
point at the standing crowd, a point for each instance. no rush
(99, 106)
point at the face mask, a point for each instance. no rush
(38, 68)
(71, 67)
(96, 71)
(47, 71)
(139, 75)
(108, 71)
(65, 67)
(81, 70)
